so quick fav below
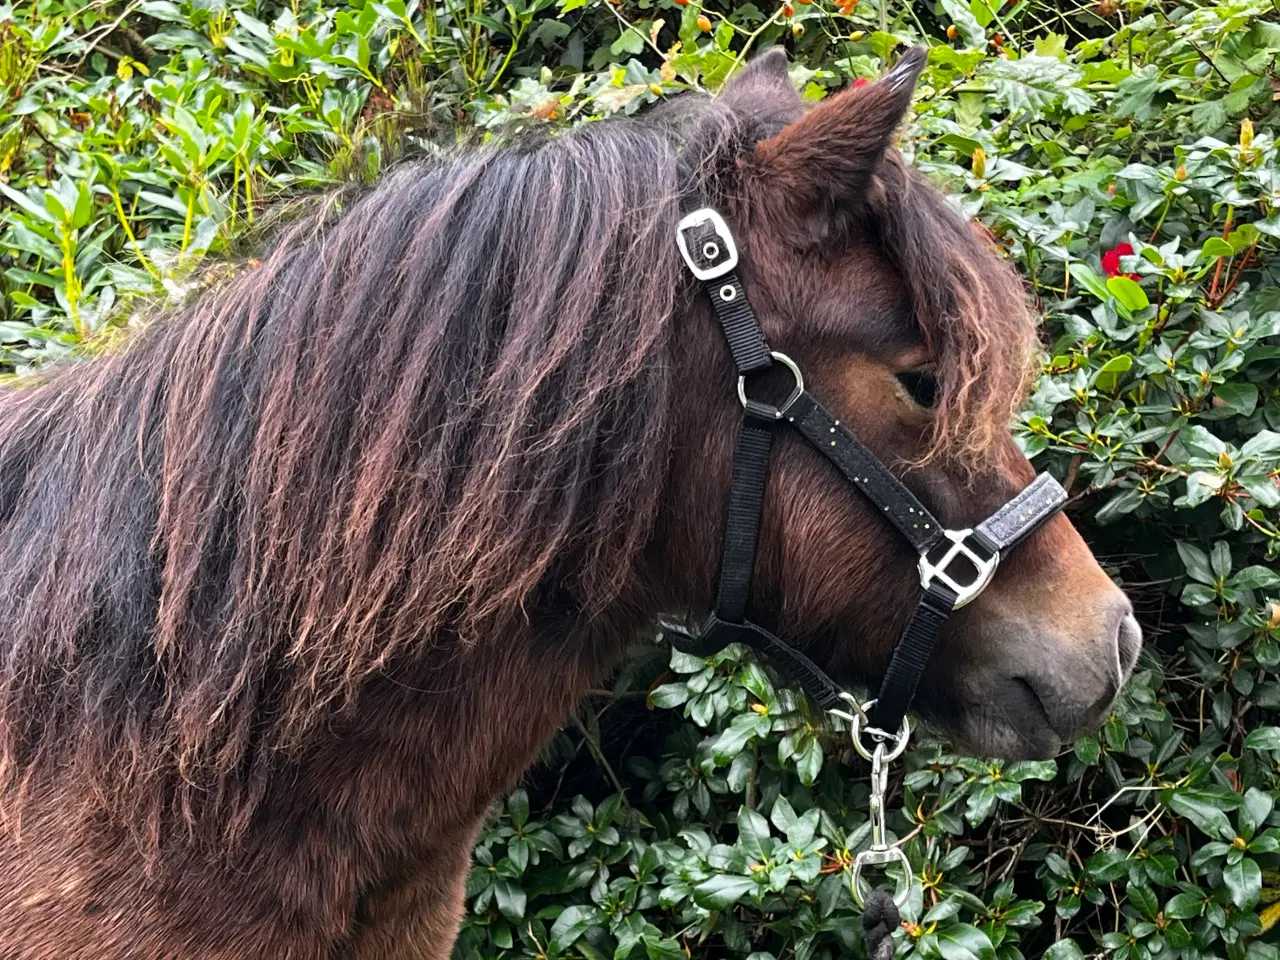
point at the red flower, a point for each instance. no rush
(859, 83)
(1111, 261)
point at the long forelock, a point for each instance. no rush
(972, 310)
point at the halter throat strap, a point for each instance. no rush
(954, 565)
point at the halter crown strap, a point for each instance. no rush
(954, 565)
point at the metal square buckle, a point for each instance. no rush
(724, 245)
(984, 564)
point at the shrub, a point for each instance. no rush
(1122, 154)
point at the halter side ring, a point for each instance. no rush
(796, 391)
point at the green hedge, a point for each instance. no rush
(1121, 153)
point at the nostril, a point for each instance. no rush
(1127, 639)
(1128, 644)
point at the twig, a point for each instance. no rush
(600, 758)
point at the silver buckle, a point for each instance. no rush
(697, 219)
(985, 566)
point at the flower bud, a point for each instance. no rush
(979, 162)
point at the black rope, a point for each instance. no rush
(879, 919)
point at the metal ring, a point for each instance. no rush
(882, 858)
(728, 293)
(711, 250)
(778, 412)
(899, 739)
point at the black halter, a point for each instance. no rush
(708, 248)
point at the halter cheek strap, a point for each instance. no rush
(954, 565)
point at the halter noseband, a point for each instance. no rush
(955, 565)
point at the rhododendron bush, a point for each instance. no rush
(1122, 155)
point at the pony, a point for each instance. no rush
(301, 577)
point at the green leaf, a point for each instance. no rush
(1254, 810)
(1030, 770)
(1110, 371)
(1244, 880)
(753, 834)
(981, 802)
(1128, 292)
(572, 923)
(1136, 94)
(1263, 738)
(1256, 577)
(1220, 559)
(783, 815)
(631, 41)
(961, 15)
(39, 211)
(510, 898)
(1240, 398)
(1087, 751)
(809, 761)
(1263, 445)
(669, 695)
(964, 942)
(1183, 906)
(518, 807)
(982, 12)
(1196, 562)
(1064, 950)
(1084, 275)
(1209, 819)
(722, 890)
(1141, 896)
(1216, 247)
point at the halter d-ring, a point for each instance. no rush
(796, 391)
(857, 716)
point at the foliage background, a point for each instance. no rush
(697, 809)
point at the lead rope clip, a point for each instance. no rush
(886, 748)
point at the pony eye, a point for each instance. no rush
(922, 385)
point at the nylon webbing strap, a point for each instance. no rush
(741, 329)
(813, 680)
(728, 296)
(911, 656)
(864, 470)
(742, 528)
(715, 634)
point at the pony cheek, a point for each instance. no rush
(844, 582)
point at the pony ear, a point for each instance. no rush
(833, 149)
(763, 84)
